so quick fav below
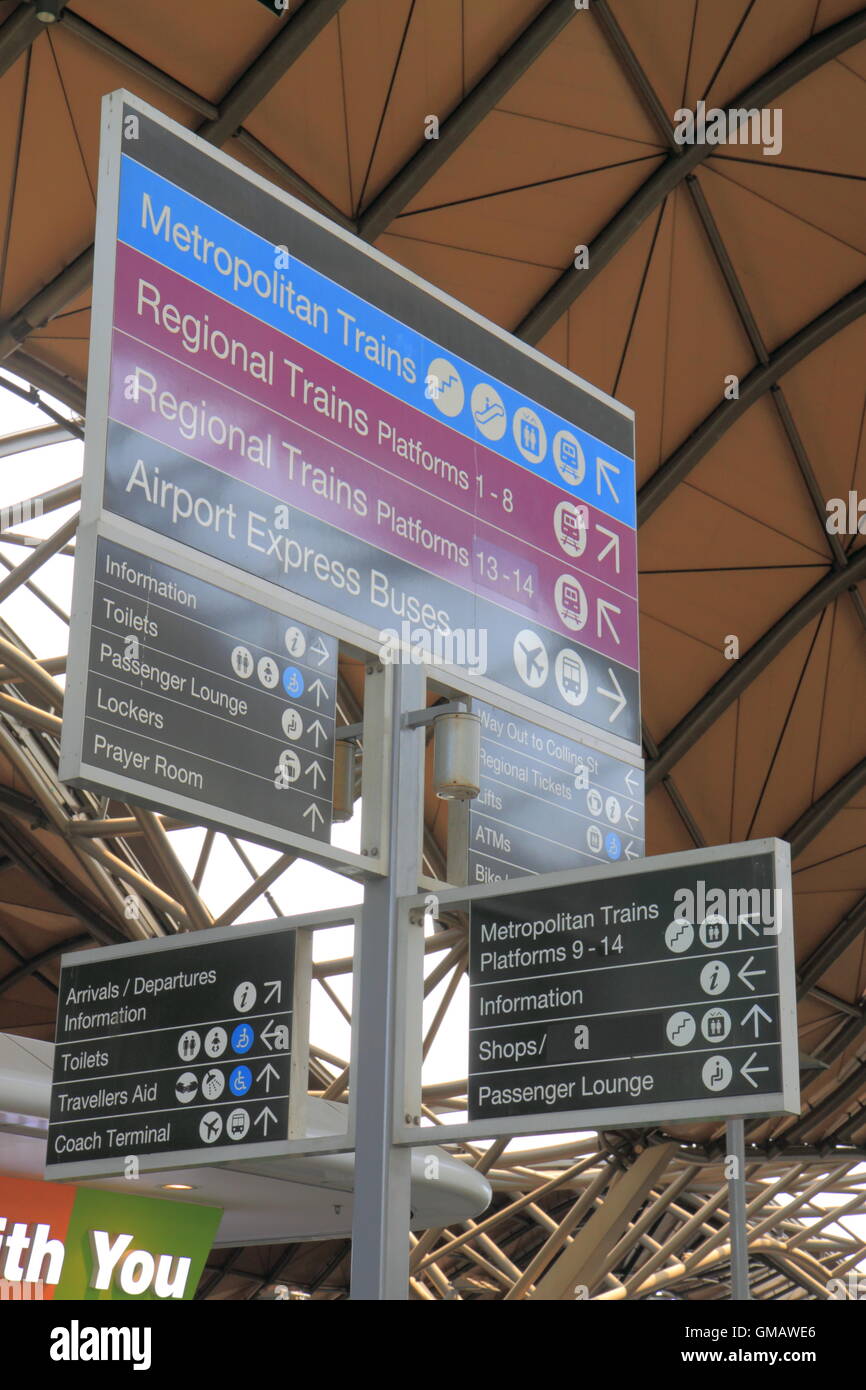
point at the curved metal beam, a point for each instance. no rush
(762, 379)
(757, 658)
(432, 154)
(806, 59)
(822, 811)
(31, 966)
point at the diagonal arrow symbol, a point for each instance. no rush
(745, 920)
(616, 695)
(275, 991)
(603, 469)
(603, 609)
(613, 544)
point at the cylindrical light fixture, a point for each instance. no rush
(344, 778)
(457, 756)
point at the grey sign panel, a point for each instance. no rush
(173, 1052)
(548, 802)
(198, 699)
(662, 993)
(277, 396)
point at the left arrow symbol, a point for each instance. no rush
(747, 975)
(747, 1070)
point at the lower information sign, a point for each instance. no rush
(661, 991)
(175, 1052)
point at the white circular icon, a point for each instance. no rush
(613, 810)
(681, 1028)
(444, 388)
(716, 1073)
(715, 977)
(244, 997)
(594, 802)
(594, 839)
(269, 672)
(186, 1087)
(293, 724)
(571, 602)
(530, 658)
(242, 662)
(296, 642)
(529, 434)
(570, 523)
(188, 1045)
(215, 1042)
(568, 457)
(210, 1126)
(237, 1124)
(713, 931)
(488, 412)
(213, 1084)
(571, 677)
(716, 1025)
(289, 766)
(679, 936)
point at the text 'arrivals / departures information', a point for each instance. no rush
(202, 700)
(651, 994)
(172, 1052)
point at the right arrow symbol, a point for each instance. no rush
(756, 1013)
(616, 695)
(747, 1070)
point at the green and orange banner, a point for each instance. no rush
(72, 1243)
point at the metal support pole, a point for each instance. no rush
(381, 1215)
(736, 1158)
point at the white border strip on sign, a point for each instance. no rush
(786, 1101)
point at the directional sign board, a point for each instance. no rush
(177, 1051)
(547, 802)
(195, 698)
(662, 990)
(270, 392)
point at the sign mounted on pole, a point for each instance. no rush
(659, 991)
(548, 802)
(179, 1051)
(278, 397)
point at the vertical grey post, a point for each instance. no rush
(380, 1220)
(737, 1211)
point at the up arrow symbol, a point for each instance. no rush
(756, 1013)
(312, 811)
(267, 1072)
(318, 729)
(316, 769)
(321, 692)
(263, 1117)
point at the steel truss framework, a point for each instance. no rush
(612, 1217)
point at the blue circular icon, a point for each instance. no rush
(240, 1081)
(293, 682)
(612, 845)
(242, 1038)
